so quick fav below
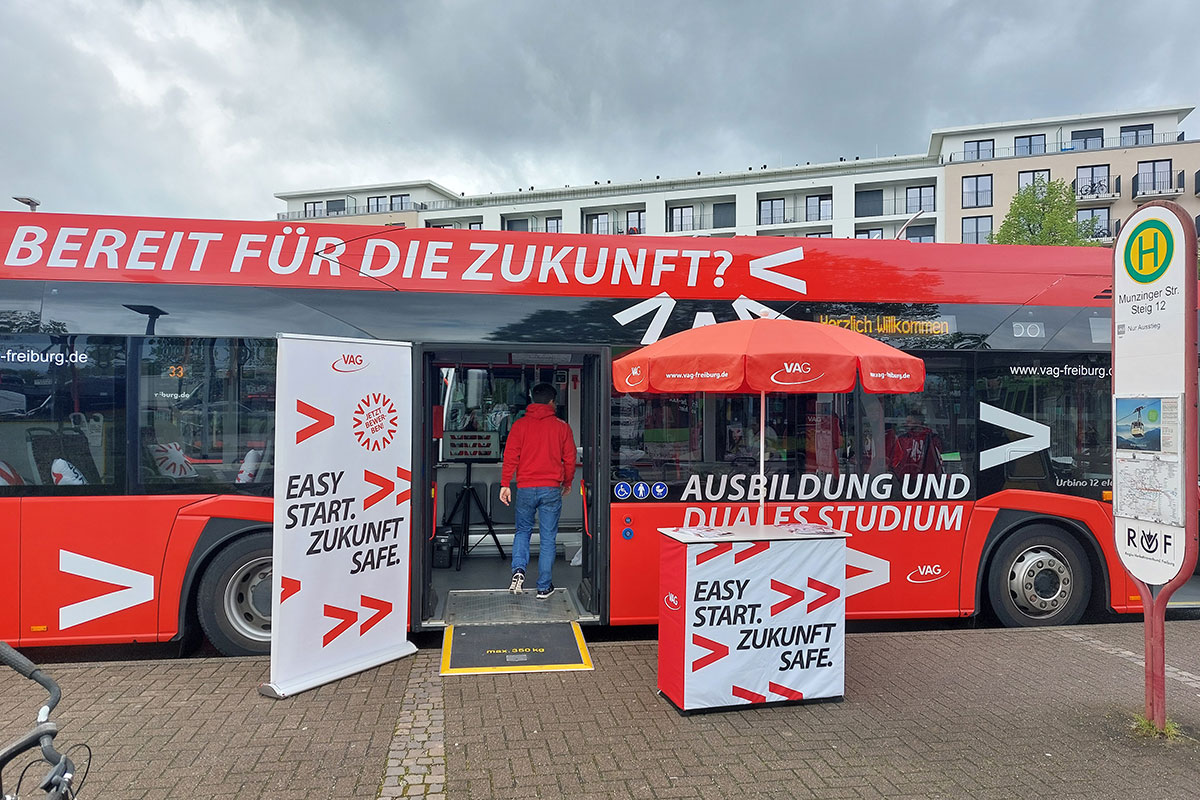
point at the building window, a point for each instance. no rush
(1154, 176)
(770, 212)
(1098, 217)
(314, 209)
(516, 224)
(1091, 180)
(553, 224)
(918, 198)
(401, 202)
(977, 191)
(868, 203)
(1091, 139)
(979, 149)
(869, 233)
(635, 221)
(376, 204)
(823, 235)
(597, 223)
(919, 233)
(724, 215)
(1031, 145)
(475, 226)
(818, 207)
(335, 207)
(683, 218)
(1136, 134)
(976, 230)
(1030, 177)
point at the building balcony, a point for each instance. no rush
(1098, 192)
(700, 222)
(349, 210)
(892, 208)
(793, 221)
(1127, 140)
(1103, 234)
(613, 229)
(1157, 185)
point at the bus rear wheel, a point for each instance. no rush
(1039, 576)
(234, 600)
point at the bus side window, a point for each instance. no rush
(59, 399)
(205, 412)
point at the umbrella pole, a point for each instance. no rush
(762, 456)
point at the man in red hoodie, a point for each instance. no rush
(540, 453)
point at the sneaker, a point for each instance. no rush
(518, 582)
(544, 593)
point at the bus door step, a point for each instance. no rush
(514, 647)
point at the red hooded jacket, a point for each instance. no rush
(540, 450)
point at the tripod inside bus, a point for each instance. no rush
(468, 496)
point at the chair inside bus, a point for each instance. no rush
(47, 446)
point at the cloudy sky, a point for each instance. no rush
(207, 109)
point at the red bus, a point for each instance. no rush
(137, 368)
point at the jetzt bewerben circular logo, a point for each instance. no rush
(1148, 251)
(375, 421)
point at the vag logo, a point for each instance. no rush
(671, 601)
(927, 573)
(794, 369)
(350, 362)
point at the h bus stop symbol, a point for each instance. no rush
(1149, 250)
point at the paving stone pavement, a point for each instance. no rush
(928, 713)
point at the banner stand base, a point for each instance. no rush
(278, 690)
(689, 712)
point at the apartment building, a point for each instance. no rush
(1114, 163)
(959, 190)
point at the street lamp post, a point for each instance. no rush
(33, 203)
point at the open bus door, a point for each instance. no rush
(594, 480)
(474, 394)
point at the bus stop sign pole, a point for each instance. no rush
(1154, 433)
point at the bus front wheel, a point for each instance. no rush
(234, 600)
(1040, 575)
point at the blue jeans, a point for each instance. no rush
(546, 502)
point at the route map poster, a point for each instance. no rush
(341, 560)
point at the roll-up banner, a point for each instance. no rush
(343, 445)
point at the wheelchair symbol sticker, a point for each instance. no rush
(641, 490)
(622, 490)
(659, 490)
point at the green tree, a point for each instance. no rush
(1044, 213)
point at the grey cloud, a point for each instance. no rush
(207, 109)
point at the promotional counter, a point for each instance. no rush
(751, 614)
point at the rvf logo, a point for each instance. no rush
(1149, 540)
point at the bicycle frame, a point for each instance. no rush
(57, 783)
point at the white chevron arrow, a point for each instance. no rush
(763, 269)
(1037, 436)
(749, 309)
(661, 304)
(137, 588)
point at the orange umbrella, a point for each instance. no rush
(768, 355)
